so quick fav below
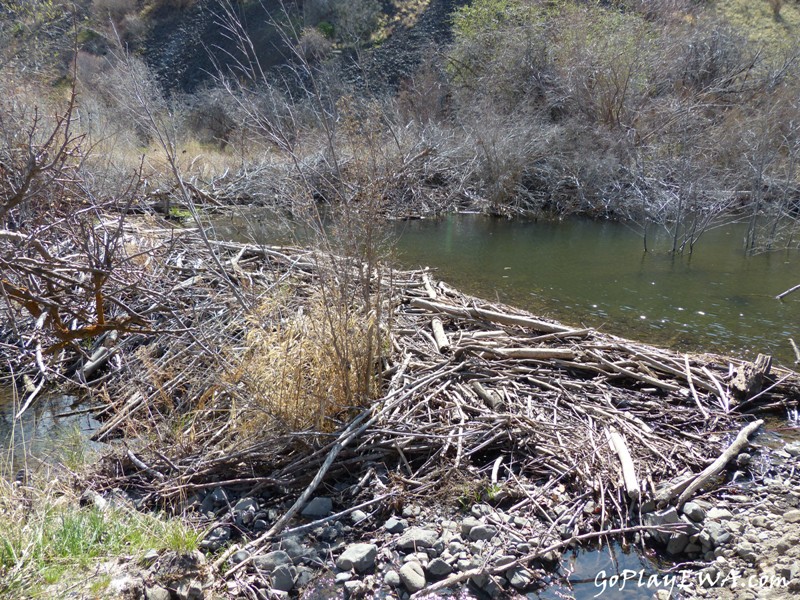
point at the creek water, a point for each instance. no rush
(596, 274)
(53, 428)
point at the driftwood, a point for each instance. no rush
(689, 486)
(442, 343)
(792, 289)
(628, 470)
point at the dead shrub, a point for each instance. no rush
(305, 362)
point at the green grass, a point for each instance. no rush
(47, 539)
(755, 19)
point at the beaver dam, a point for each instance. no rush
(315, 414)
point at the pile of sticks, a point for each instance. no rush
(535, 413)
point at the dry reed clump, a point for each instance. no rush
(303, 366)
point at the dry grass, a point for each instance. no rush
(305, 364)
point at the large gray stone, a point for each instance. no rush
(272, 560)
(792, 516)
(482, 532)
(677, 543)
(694, 511)
(439, 568)
(319, 507)
(519, 577)
(360, 557)
(467, 525)
(157, 592)
(719, 514)
(391, 578)
(412, 576)
(283, 578)
(417, 537)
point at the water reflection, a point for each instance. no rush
(595, 274)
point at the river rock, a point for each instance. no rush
(792, 516)
(240, 556)
(358, 516)
(190, 589)
(412, 576)
(677, 543)
(746, 551)
(793, 449)
(156, 592)
(719, 514)
(391, 578)
(395, 525)
(244, 512)
(439, 568)
(272, 560)
(417, 537)
(283, 578)
(519, 577)
(467, 526)
(126, 586)
(360, 557)
(482, 532)
(319, 507)
(694, 511)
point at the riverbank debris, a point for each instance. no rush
(572, 431)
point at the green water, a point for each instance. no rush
(596, 274)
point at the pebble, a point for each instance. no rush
(217, 537)
(412, 576)
(391, 578)
(395, 525)
(357, 516)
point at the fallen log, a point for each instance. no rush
(694, 484)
